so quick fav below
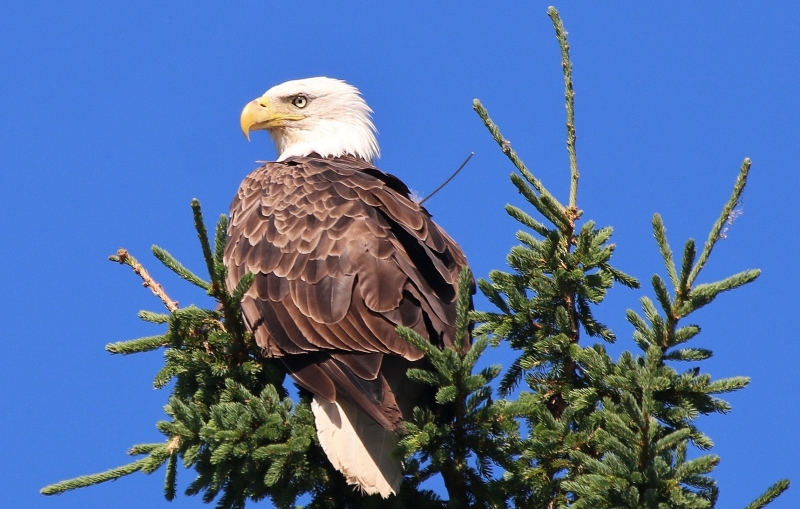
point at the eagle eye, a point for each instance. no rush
(300, 101)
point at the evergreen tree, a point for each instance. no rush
(568, 426)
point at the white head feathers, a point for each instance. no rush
(314, 115)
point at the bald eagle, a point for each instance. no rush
(341, 256)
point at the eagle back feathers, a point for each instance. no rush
(342, 256)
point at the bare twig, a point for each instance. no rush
(449, 179)
(123, 257)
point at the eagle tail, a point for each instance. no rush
(358, 447)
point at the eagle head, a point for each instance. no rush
(320, 115)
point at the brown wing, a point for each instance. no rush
(341, 257)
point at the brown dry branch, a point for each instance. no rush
(125, 258)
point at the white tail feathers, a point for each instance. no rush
(358, 447)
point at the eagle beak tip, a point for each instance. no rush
(249, 117)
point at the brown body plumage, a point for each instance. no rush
(341, 256)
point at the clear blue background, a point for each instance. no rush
(114, 115)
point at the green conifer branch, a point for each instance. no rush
(689, 254)
(505, 146)
(662, 294)
(660, 232)
(621, 277)
(92, 479)
(473, 436)
(567, 378)
(220, 237)
(175, 266)
(569, 95)
(206, 351)
(171, 478)
(202, 234)
(149, 316)
(466, 287)
(704, 294)
(651, 391)
(524, 218)
(546, 208)
(145, 344)
(771, 494)
(139, 449)
(724, 217)
(688, 354)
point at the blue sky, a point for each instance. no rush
(114, 115)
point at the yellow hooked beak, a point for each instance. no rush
(263, 113)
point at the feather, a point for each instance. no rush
(358, 447)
